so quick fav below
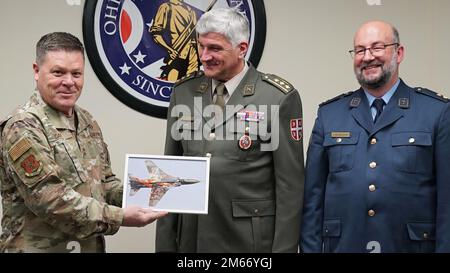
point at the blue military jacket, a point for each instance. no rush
(382, 187)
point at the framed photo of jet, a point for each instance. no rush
(167, 183)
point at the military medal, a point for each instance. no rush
(252, 116)
(245, 142)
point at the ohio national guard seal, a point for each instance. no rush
(139, 49)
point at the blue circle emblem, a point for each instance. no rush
(138, 49)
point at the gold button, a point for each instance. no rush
(208, 155)
(412, 140)
(373, 141)
(371, 213)
(372, 188)
(338, 140)
(373, 165)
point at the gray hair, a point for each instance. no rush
(226, 21)
(396, 35)
(56, 41)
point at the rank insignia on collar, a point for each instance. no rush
(403, 103)
(251, 116)
(31, 166)
(355, 102)
(296, 129)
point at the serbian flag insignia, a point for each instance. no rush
(296, 129)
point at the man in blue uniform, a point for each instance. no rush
(377, 171)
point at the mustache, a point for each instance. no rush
(364, 66)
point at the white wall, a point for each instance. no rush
(307, 44)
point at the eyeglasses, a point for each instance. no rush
(377, 50)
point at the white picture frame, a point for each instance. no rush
(177, 184)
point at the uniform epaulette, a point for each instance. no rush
(189, 77)
(278, 82)
(337, 98)
(432, 94)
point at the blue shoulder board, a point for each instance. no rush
(432, 94)
(337, 98)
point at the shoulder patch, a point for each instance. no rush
(337, 98)
(278, 82)
(19, 148)
(432, 94)
(189, 77)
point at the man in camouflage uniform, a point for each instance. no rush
(58, 191)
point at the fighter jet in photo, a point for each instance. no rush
(159, 182)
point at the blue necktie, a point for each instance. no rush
(378, 104)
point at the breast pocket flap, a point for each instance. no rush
(421, 231)
(350, 139)
(411, 139)
(253, 208)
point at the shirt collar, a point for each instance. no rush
(386, 96)
(233, 83)
(57, 118)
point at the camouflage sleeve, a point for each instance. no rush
(31, 164)
(112, 185)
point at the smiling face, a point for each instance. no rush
(59, 78)
(377, 73)
(221, 61)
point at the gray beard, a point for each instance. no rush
(386, 75)
(375, 83)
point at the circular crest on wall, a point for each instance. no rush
(139, 48)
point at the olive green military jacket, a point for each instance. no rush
(56, 182)
(256, 159)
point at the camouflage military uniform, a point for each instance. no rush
(56, 182)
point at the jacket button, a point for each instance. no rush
(208, 155)
(411, 140)
(371, 213)
(256, 211)
(372, 188)
(212, 136)
(339, 140)
(373, 141)
(425, 235)
(373, 165)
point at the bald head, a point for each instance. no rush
(379, 29)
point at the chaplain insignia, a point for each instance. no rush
(31, 166)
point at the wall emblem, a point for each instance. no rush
(138, 48)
